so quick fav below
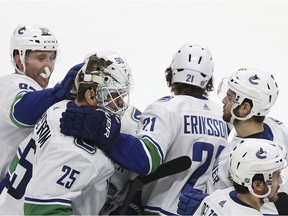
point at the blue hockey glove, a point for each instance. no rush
(190, 201)
(95, 127)
(62, 89)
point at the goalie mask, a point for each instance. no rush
(109, 79)
(255, 156)
(258, 86)
(34, 37)
(192, 65)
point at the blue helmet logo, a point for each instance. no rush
(254, 79)
(21, 30)
(261, 154)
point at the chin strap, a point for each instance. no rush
(233, 116)
(264, 196)
(22, 59)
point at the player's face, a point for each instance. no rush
(228, 102)
(35, 63)
(117, 101)
(276, 182)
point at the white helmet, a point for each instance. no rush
(111, 73)
(34, 37)
(258, 86)
(192, 65)
(255, 156)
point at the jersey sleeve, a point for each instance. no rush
(28, 107)
(25, 100)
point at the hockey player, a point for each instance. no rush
(249, 94)
(254, 166)
(58, 174)
(119, 181)
(186, 123)
(23, 95)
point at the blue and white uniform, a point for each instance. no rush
(273, 130)
(53, 173)
(224, 202)
(175, 126)
(21, 105)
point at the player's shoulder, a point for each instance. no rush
(275, 126)
(272, 121)
(185, 102)
(133, 112)
(221, 192)
(20, 81)
(54, 113)
(130, 119)
(58, 107)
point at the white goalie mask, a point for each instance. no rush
(192, 65)
(34, 37)
(258, 86)
(255, 156)
(111, 73)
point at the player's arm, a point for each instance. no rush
(28, 106)
(137, 155)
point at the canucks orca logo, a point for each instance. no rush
(21, 30)
(166, 98)
(261, 154)
(254, 79)
(136, 114)
(86, 147)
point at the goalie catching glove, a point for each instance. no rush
(95, 127)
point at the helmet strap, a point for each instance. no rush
(264, 196)
(233, 116)
(22, 60)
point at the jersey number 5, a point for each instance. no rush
(23, 172)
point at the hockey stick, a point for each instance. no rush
(166, 169)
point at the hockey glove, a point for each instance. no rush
(95, 127)
(189, 202)
(281, 203)
(62, 89)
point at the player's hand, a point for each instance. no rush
(95, 127)
(62, 89)
(190, 201)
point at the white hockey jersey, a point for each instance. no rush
(224, 202)
(60, 173)
(218, 177)
(11, 131)
(181, 125)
